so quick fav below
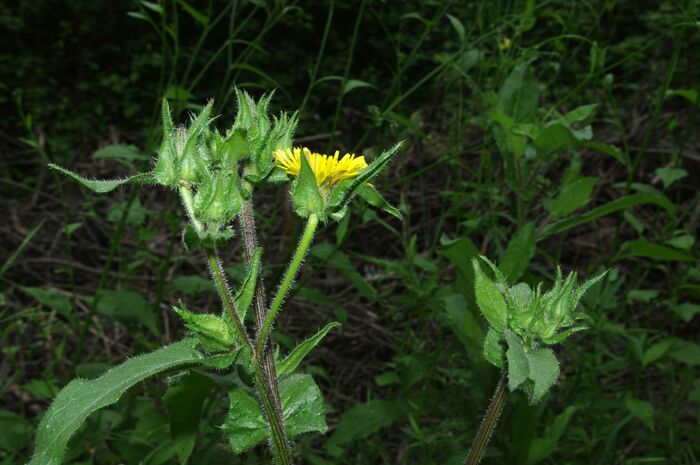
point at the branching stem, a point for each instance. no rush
(280, 445)
(488, 424)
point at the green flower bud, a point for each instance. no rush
(218, 199)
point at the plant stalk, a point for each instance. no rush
(299, 254)
(488, 424)
(280, 445)
(246, 219)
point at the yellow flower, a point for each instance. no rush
(505, 44)
(330, 170)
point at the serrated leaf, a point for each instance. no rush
(302, 406)
(75, 402)
(246, 293)
(521, 249)
(518, 365)
(102, 186)
(493, 350)
(184, 403)
(544, 371)
(489, 299)
(295, 357)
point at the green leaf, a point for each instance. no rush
(103, 186)
(364, 420)
(687, 352)
(196, 15)
(657, 351)
(302, 406)
(489, 299)
(543, 447)
(578, 114)
(519, 95)
(244, 426)
(368, 173)
(686, 310)
(616, 205)
(670, 175)
(353, 84)
(51, 299)
(333, 257)
(573, 195)
(464, 323)
(535, 371)
(127, 307)
(25, 242)
(81, 397)
(294, 358)
(493, 350)
(246, 293)
(646, 249)
(175, 92)
(192, 285)
(460, 252)
(214, 332)
(306, 196)
(544, 371)
(374, 198)
(458, 27)
(518, 365)
(520, 251)
(642, 410)
(127, 153)
(184, 403)
(553, 138)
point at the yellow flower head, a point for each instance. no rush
(330, 170)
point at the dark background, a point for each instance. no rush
(404, 379)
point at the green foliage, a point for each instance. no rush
(292, 360)
(302, 406)
(75, 402)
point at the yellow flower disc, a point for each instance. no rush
(329, 170)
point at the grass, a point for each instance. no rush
(404, 380)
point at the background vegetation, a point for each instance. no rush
(88, 280)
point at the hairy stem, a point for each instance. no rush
(289, 276)
(280, 445)
(488, 424)
(246, 219)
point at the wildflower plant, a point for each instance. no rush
(215, 175)
(523, 325)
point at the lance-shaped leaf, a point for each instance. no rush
(302, 406)
(75, 402)
(294, 358)
(368, 173)
(246, 292)
(102, 186)
(306, 196)
(489, 299)
(374, 198)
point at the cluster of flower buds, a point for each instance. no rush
(209, 163)
(527, 321)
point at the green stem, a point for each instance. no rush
(289, 276)
(280, 445)
(488, 424)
